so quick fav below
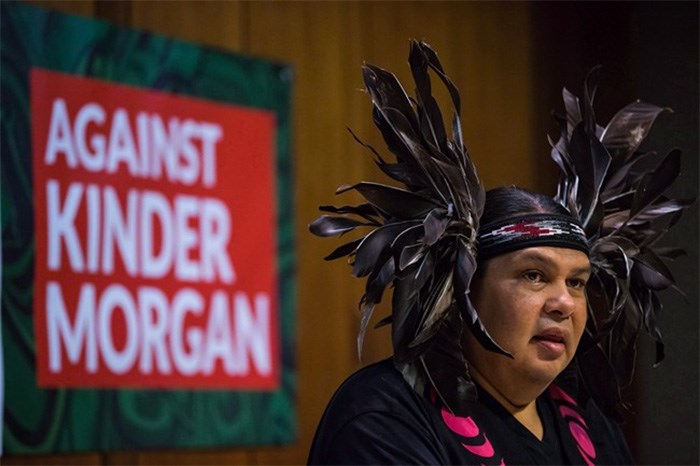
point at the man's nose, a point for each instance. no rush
(560, 301)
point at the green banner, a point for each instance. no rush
(116, 335)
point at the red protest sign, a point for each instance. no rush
(155, 229)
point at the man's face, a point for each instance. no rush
(533, 304)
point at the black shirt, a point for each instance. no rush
(375, 417)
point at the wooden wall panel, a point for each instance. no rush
(71, 459)
(73, 7)
(485, 48)
(194, 457)
(212, 23)
(316, 39)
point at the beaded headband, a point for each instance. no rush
(526, 231)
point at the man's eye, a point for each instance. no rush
(533, 276)
(577, 283)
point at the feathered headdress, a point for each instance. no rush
(608, 185)
(422, 237)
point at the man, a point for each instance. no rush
(509, 345)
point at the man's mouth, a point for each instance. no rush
(552, 338)
(552, 342)
(553, 334)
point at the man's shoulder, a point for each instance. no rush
(378, 386)
(375, 417)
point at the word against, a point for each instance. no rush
(155, 239)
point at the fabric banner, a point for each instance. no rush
(147, 260)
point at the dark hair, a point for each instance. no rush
(508, 201)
